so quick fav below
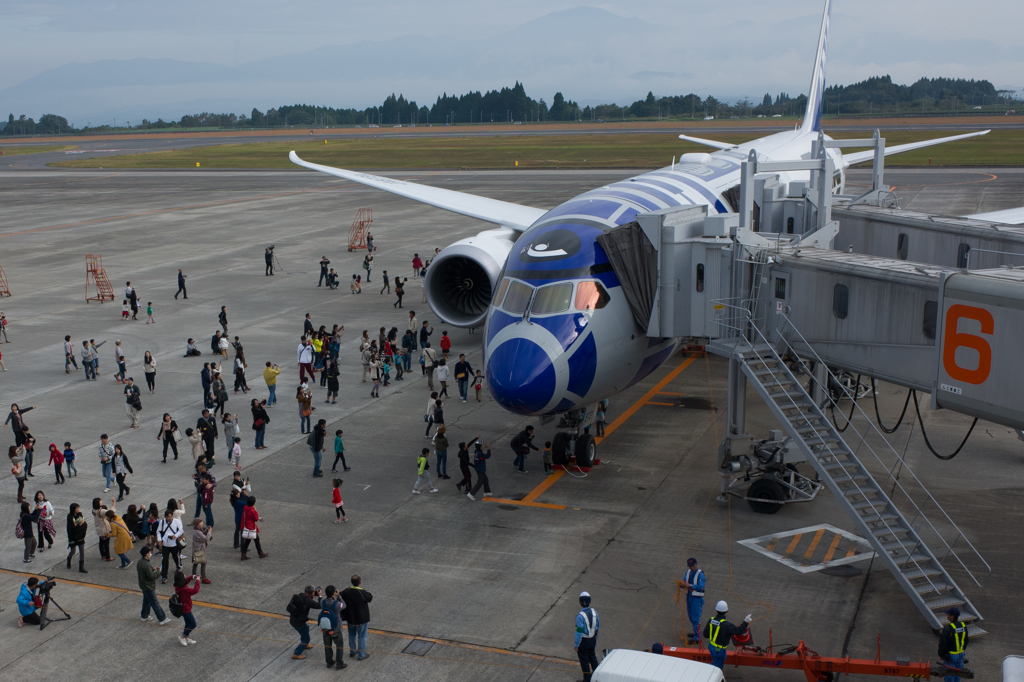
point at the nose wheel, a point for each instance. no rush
(565, 447)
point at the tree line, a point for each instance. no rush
(510, 105)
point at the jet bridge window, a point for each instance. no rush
(554, 298)
(840, 301)
(962, 253)
(517, 298)
(931, 319)
(700, 278)
(902, 244)
(591, 296)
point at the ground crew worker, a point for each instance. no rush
(953, 643)
(693, 581)
(719, 632)
(587, 625)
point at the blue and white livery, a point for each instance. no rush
(558, 333)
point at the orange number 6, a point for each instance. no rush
(954, 339)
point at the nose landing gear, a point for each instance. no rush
(576, 445)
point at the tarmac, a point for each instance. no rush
(463, 590)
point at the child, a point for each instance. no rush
(122, 369)
(149, 313)
(417, 265)
(600, 417)
(236, 454)
(2, 360)
(385, 369)
(399, 364)
(478, 383)
(339, 509)
(339, 452)
(547, 457)
(124, 310)
(57, 460)
(446, 344)
(69, 458)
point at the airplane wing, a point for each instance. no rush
(515, 216)
(860, 157)
(707, 143)
(1011, 216)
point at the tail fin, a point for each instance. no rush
(816, 93)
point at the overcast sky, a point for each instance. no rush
(723, 48)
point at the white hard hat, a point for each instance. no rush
(584, 594)
(721, 606)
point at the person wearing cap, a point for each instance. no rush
(587, 625)
(953, 643)
(693, 581)
(719, 632)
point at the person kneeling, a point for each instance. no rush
(28, 602)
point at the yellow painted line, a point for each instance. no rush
(545, 484)
(772, 543)
(814, 543)
(793, 543)
(832, 548)
(669, 393)
(523, 503)
(662, 404)
(853, 550)
(650, 394)
(277, 616)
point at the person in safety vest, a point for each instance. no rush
(587, 625)
(693, 581)
(719, 632)
(953, 643)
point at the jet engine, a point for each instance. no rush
(462, 278)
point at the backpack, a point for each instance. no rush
(174, 606)
(328, 619)
(294, 606)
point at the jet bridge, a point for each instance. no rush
(787, 311)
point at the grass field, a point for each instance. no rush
(998, 148)
(17, 151)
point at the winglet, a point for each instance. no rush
(707, 143)
(816, 93)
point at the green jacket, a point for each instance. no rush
(338, 445)
(422, 462)
(147, 575)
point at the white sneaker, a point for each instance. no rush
(190, 640)
(165, 621)
(433, 490)
(470, 496)
(146, 619)
(182, 640)
(106, 490)
(415, 492)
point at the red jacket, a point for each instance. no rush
(56, 456)
(185, 596)
(249, 518)
(336, 496)
(446, 343)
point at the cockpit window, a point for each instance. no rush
(517, 298)
(591, 296)
(554, 298)
(502, 288)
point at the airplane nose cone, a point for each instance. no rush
(520, 376)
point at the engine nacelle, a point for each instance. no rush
(461, 279)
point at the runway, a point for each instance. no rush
(490, 586)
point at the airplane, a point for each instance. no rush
(558, 333)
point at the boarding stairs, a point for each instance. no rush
(894, 534)
(96, 276)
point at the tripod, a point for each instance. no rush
(277, 263)
(43, 619)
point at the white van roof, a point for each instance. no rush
(625, 665)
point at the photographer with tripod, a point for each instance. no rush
(28, 602)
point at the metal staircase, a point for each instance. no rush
(896, 539)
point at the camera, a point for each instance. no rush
(47, 584)
(271, 247)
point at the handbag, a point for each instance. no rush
(176, 435)
(306, 412)
(258, 424)
(199, 556)
(249, 534)
(19, 532)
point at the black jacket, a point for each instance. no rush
(463, 456)
(305, 603)
(319, 433)
(947, 642)
(215, 343)
(357, 606)
(207, 427)
(77, 533)
(523, 438)
(259, 413)
(307, 327)
(223, 317)
(726, 630)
